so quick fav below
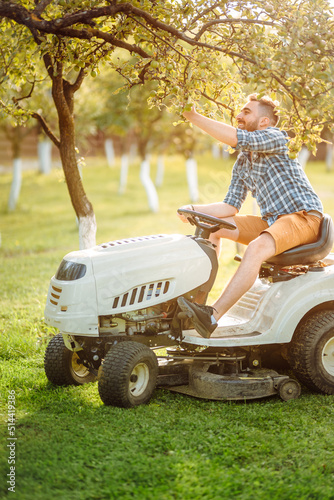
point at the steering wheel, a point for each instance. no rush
(206, 224)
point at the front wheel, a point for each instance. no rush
(311, 354)
(128, 375)
(64, 367)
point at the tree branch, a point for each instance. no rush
(17, 99)
(61, 26)
(46, 128)
(80, 78)
(218, 103)
(231, 21)
(159, 38)
(87, 34)
(41, 6)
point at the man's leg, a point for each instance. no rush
(258, 250)
(287, 232)
(260, 247)
(229, 234)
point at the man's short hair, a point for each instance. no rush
(268, 107)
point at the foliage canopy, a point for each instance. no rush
(202, 51)
(193, 49)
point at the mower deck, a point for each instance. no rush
(207, 385)
(191, 377)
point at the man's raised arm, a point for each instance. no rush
(218, 130)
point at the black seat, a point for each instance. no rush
(311, 253)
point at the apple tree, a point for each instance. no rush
(195, 50)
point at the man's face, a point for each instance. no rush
(248, 118)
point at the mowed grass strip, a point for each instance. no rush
(69, 445)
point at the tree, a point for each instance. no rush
(279, 46)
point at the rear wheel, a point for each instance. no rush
(128, 375)
(64, 367)
(311, 354)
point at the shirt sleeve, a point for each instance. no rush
(270, 140)
(237, 191)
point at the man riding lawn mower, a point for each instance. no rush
(117, 303)
(291, 212)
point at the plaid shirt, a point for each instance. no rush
(264, 168)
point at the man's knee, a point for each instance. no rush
(261, 248)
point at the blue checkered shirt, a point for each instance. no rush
(264, 168)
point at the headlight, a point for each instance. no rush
(69, 271)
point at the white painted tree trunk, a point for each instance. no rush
(123, 178)
(303, 156)
(225, 153)
(16, 184)
(151, 192)
(215, 150)
(110, 152)
(160, 171)
(44, 157)
(191, 167)
(87, 232)
(329, 157)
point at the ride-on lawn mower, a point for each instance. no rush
(116, 304)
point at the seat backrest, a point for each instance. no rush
(310, 253)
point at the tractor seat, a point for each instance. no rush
(310, 253)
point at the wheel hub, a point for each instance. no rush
(78, 368)
(139, 379)
(289, 389)
(328, 356)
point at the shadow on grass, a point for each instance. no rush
(70, 445)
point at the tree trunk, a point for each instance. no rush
(87, 231)
(151, 192)
(304, 156)
(215, 150)
(44, 156)
(63, 94)
(16, 184)
(329, 157)
(110, 153)
(123, 179)
(82, 206)
(15, 137)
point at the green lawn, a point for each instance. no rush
(69, 445)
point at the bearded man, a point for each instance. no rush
(291, 212)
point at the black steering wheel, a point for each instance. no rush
(206, 224)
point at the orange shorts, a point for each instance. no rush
(288, 231)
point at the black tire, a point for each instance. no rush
(128, 375)
(63, 367)
(311, 353)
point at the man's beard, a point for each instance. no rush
(251, 126)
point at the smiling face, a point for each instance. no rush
(253, 116)
(250, 118)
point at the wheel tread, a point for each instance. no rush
(112, 385)
(57, 361)
(301, 349)
(54, 365)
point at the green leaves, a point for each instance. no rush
(211, 53)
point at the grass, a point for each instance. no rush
(69, 445)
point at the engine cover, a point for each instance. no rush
(141, 272)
